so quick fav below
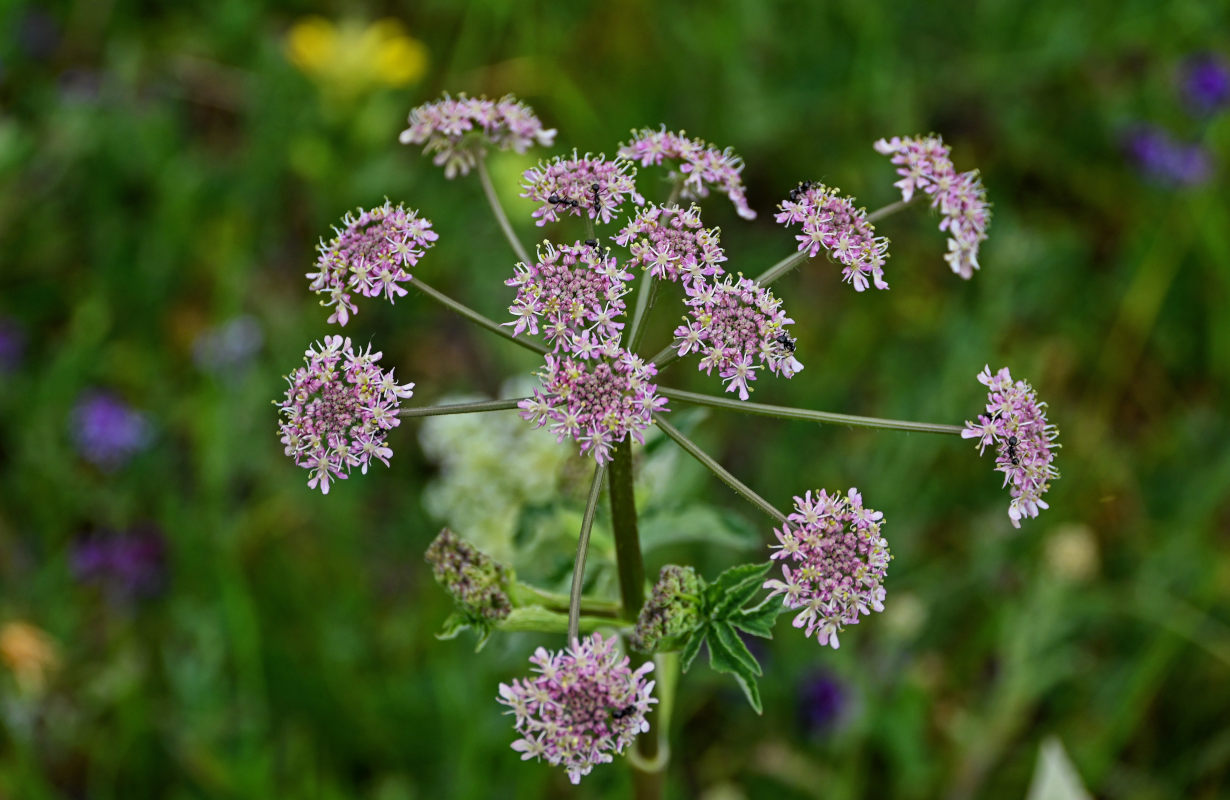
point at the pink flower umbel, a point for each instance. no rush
(596, 396)
(371, 254)
(572, 289)
(839, 560)
(582, 705)
(670, 243)
(832, 222)
(703, 165)
(460, 131)
(337, 411)
(736, 322)
(925, 166)
(588, 186)
(1015, 422)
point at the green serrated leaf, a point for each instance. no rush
(454, 624)
(736, 580)
(723, 659)
(759, 620)
(691, 648)
(731, 642)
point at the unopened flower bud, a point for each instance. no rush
(477, 582)
(673, 609)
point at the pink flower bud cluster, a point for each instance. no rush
(371, 254)
(460, 131)
(925, 166)
(832, 222)
(671, 244)
(596, 396)
(586, 185)
(736, 323)
(337, 411)
(839, 560)
(582, 705)
(572, 289)
(1015, 422)
(703, 164)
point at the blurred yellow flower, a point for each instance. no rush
(351, 56)
(30, 653)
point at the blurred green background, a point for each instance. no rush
(165, 171)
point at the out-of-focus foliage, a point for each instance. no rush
(165, 170)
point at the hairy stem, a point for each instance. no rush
(627, 538)
(717, 469)
(782, 267)
(786, 412)
(888, 210)
(476, 317)
(461, 408)
(524, 594)
(578, 566)
(494, 201)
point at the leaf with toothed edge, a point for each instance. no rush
(691, 649)
(734, 587)
(734, 658)
(758, 620)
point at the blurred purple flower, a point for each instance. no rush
(227, 348)
(1205, 81)
(128, 565)
(1165, 160)
(12, 344)
(107, 431)
(823, 701)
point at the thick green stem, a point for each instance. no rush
(461, 408)
(476, 317)
(717, 469)
(578, 566)
(627, 538)
(494, 201)
(786, 412)
(665, 356)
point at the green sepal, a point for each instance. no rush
(758, 620)
(457, 622)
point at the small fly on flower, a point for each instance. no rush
(798, 191)
(620, 713)
(785, 341)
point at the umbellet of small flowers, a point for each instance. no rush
(338, 410)
(1015, 422)
(924, 164)
(703, 165)
(371, 254)
(475, 581)
(459, 131)
(588, 186)
(670, 243)
(839, 560)
(736, 322)
(832, 222)
(572, 289)
(596, 396)
(582, 705)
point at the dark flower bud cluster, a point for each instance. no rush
(477, 582)
(672, 610)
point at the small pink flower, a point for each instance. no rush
(584, 704)
(571, 290)
(338, 410)
(588, 186)
(596, 396)
(670, 243)
(371, 254)
(925, 166)
(1025, 443)
(736, 323)
(839, 561)
(703, 165)
(832, 222)
(460, 131)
